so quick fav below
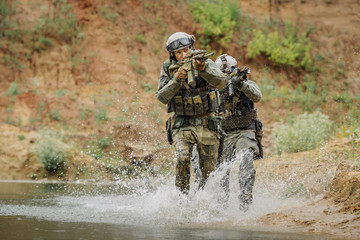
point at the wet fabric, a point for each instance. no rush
(251, 90)
(240, 145)
(207, 144)
(184, 137)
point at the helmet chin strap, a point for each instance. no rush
(172, 56)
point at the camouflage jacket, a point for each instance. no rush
(239, 109)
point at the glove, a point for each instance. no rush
(240, 78)
(198, 65)
(181, 74)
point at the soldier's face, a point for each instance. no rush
(180, 54)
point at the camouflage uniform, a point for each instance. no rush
(193, 123)
(240, 124)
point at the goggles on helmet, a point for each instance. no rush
(179, 44)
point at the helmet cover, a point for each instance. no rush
(179, 40)
(226, 63)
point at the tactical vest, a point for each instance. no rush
(195, 102)
(238, 110)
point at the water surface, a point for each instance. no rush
(136, 210)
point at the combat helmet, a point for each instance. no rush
(177, 41)
(226, 63)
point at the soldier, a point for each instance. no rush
(194, 105)
(243, 129)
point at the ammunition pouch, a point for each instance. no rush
(238, 121)
(213, 123)
(197, 105)
(198, 122)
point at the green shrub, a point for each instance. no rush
(289, 50)
(109, 13)
(55, 115)
(101, 115)
(136, 65)
(13, 89)
(104, 143)
(217, 19)
(268, 87)
(9, 26)
(4, 9)
(56, 22)
(148, 88)
(353, 115)
(85, 114)
(21, 137)
(61, 92)
(43, 44)
(95, 151)
(51, 150)
(353, 136)
(140, 38)
(343, 97)
(294, 189)
(309, 93)
(302, 133)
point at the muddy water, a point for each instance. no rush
(136, 210)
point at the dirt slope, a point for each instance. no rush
(327, 191)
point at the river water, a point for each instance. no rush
(138, 209)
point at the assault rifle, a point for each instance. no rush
(237, 75)
(197, 54)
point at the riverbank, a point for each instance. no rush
(329, 186)
(323, 185)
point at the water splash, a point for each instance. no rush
(150, 201)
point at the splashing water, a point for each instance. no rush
(149, 201)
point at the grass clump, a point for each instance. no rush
(101, 115)
(303, 133)
(61, 24)
(140, 38)
(294, 189)
(109, 13)
(104, 143)
(136, 66)
(51, 150)
(13, 89)
(9, 28)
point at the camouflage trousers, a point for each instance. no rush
(207, 145)
(239, 145)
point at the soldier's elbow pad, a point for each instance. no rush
(221, 85)
(161, 99)
(218, 84)
(258, 98)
